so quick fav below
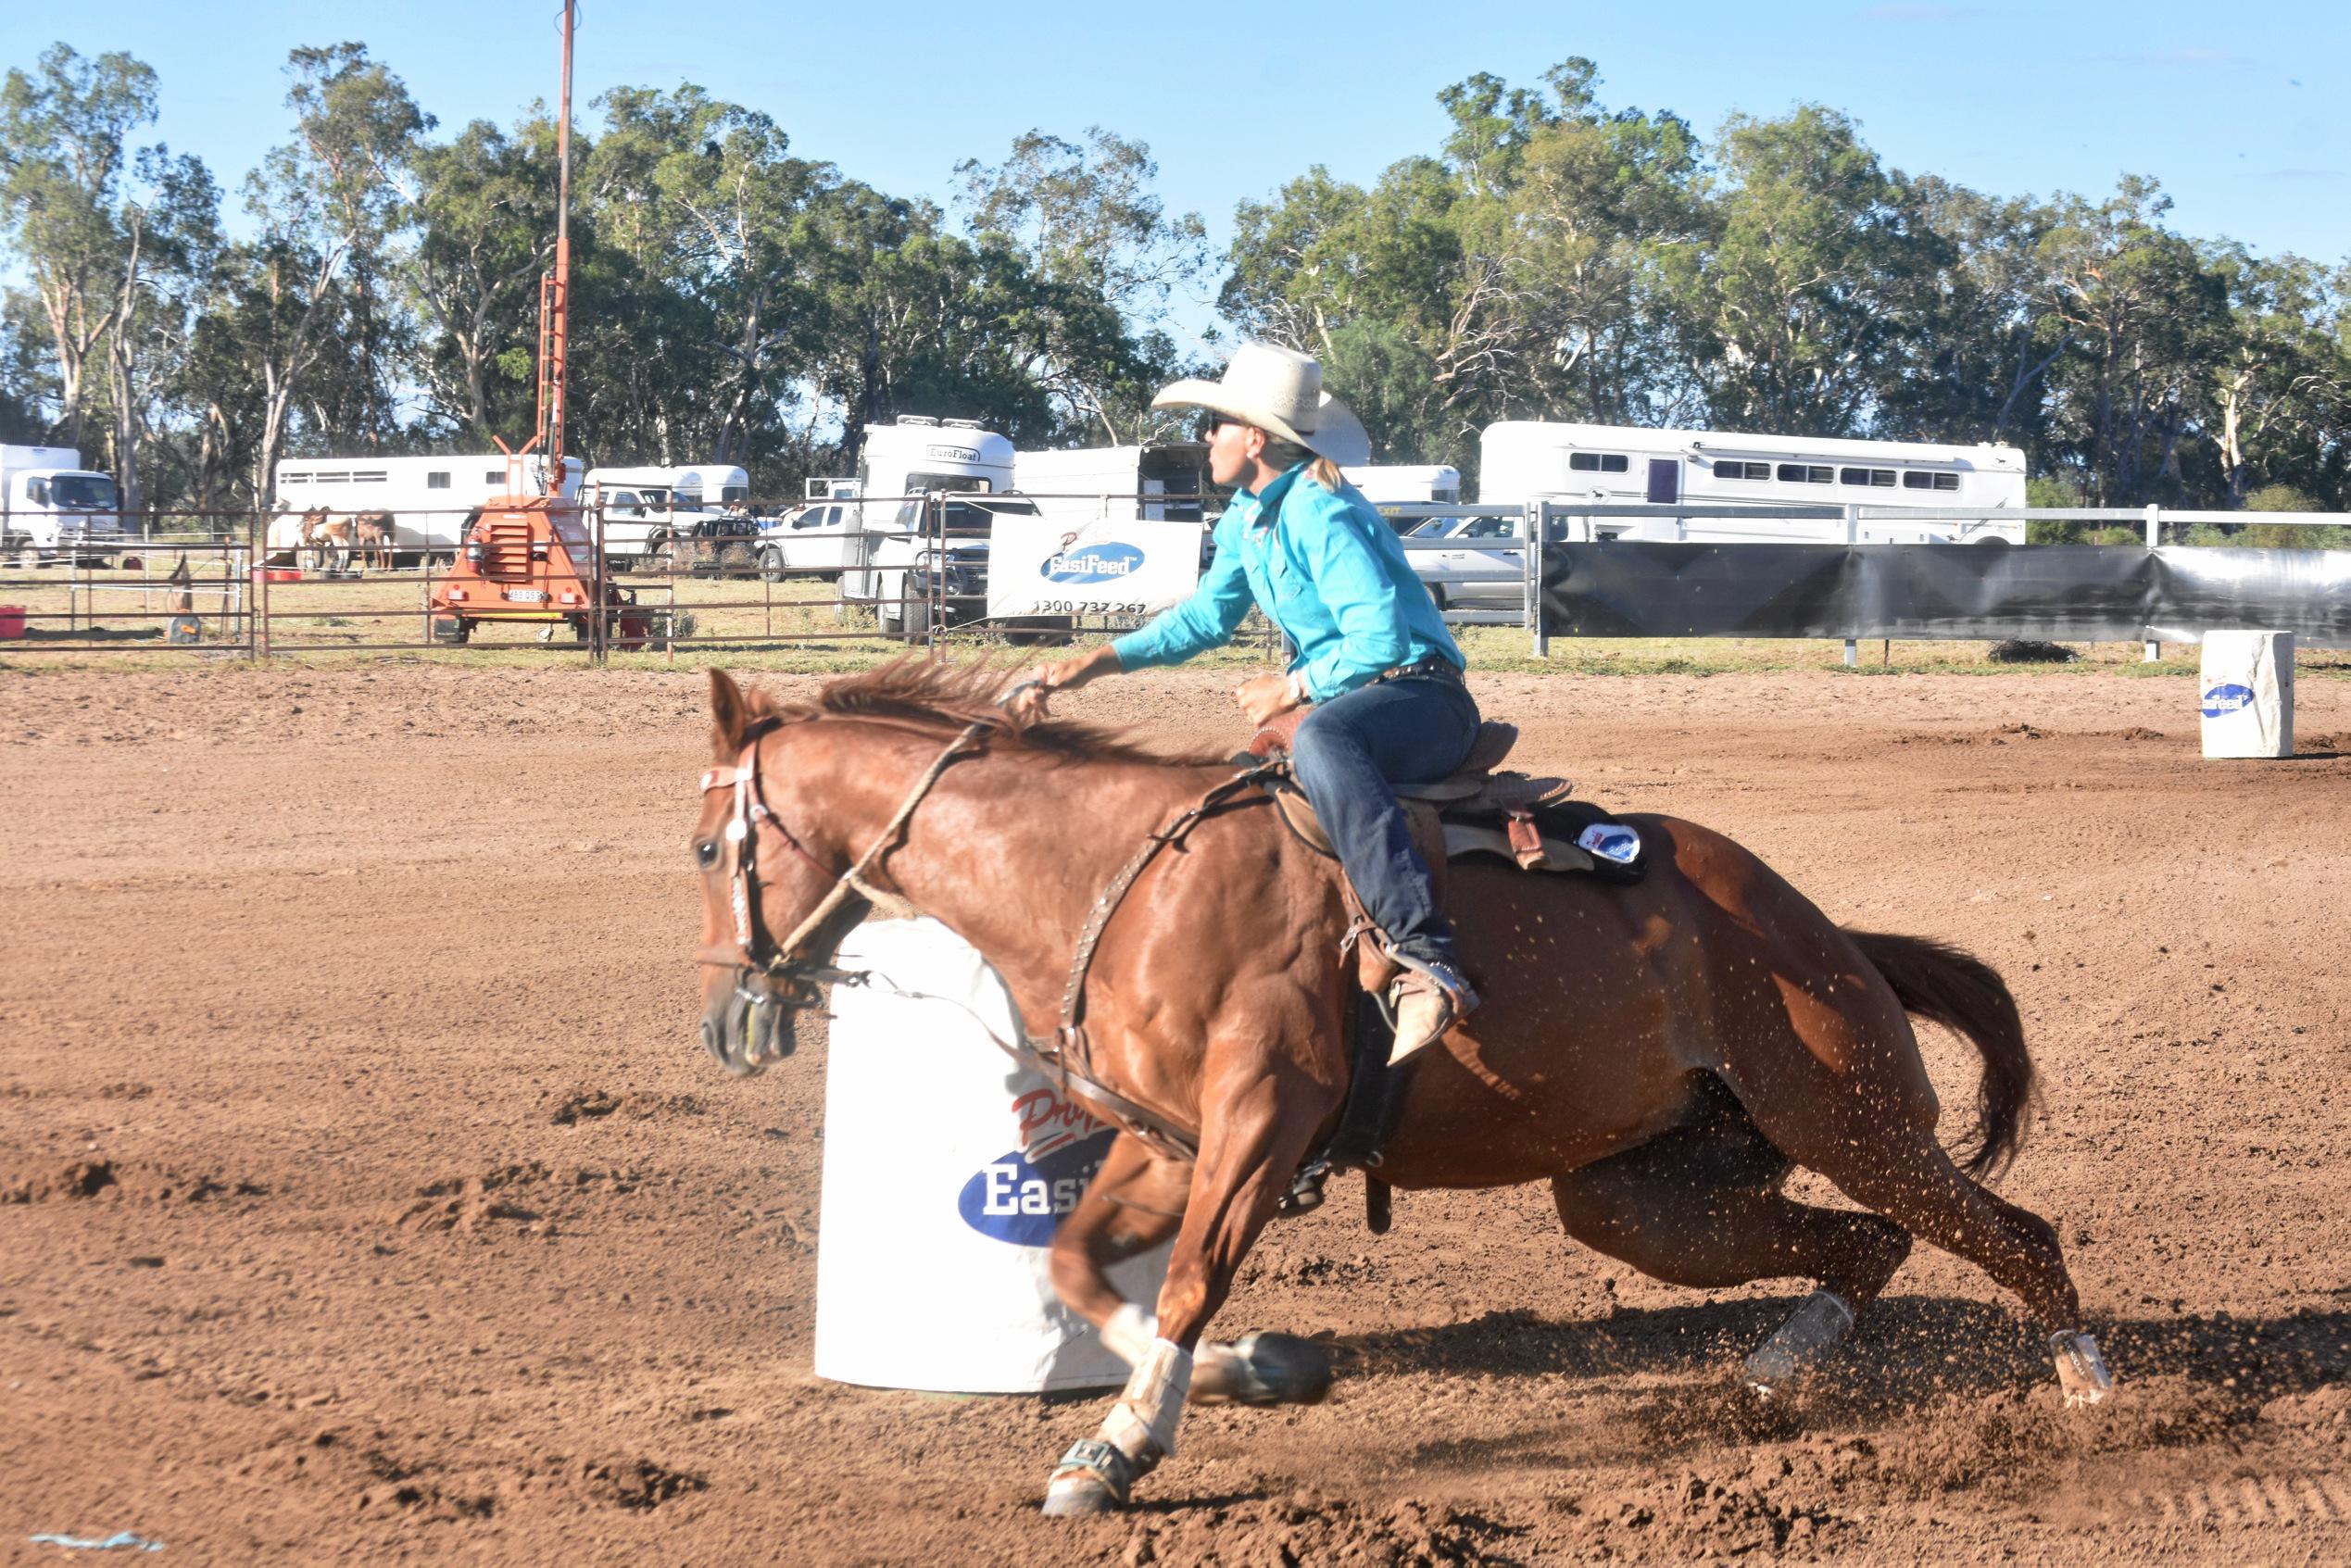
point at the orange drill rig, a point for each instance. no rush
(529, 556)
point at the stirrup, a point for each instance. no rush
(1305, 1194)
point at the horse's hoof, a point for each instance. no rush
(1079, 1495)
(1093, 1477)
(1282, 1369)
(2082, 1371)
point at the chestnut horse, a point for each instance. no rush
(325, 534)
(372, 532)
(1662, 1053)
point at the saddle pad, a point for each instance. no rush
(1577, 836)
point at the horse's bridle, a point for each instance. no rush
(794, 966)
(787, 961)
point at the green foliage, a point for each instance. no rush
(1548, 256)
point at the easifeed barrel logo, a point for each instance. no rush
(1105, 562)
(2226, 699)
(1020, 1196)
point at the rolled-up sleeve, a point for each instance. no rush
(1350, 578)
(1207, 619)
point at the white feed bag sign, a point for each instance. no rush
(946, 1166)
(1052, 566)
(2246, 694)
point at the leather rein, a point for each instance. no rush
(800, 962)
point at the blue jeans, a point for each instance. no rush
(1350, 753)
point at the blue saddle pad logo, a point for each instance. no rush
(1611, 842)
(1015, 1200)
(1105, 562)
(2226, 699)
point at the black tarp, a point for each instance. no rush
(2084, 592)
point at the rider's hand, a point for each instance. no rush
(1028, 703)
(1264, 696)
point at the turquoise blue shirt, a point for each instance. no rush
(1327, 571)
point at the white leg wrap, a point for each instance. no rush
(1143, 1423)
(1817, 1329)
(1129, 1333)
(2082, 1371)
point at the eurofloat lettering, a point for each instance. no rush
(1105, 562)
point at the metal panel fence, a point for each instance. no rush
(245, 583)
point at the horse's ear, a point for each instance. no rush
(730, 714)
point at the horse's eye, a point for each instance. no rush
(706, 852)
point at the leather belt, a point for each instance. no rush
(1431, 667)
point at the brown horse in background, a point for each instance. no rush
(1663, 1054)
(323, 533)
(372, 531)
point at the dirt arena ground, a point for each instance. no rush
(364, 1196)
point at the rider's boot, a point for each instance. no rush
(1427, 998)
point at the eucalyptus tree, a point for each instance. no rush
(705, 194)
(304, 294)
(2277, 387)
(99, 226)
(1977, 363)
(482, 205)
(2143, 319)
(1105, 262)
(1813, 280)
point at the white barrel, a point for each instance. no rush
(2247, 692)
(946, 1166)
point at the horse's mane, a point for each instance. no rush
(923, 694)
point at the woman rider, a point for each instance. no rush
(1376, 666)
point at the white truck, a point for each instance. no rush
(53, 509)
(886, 560)
(1166, 482)
(429, 500)
(1387, 484)
(646, 506)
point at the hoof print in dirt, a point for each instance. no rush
(584, 1107)
(635, 1482)
(463, 1204)
(1310, 1527)
(593, 1105)
(82, 1178)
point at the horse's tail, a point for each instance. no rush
(1946, 985)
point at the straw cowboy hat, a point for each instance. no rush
(1280, 392)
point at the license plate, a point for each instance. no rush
(527, 595)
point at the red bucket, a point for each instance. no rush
(11, 621)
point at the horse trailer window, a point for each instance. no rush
(1882, 479)
(1947, 482)
(496, 476)
(1598, 462)
(1804, 474)
(1916, 481)
(436, 481)
(1729, 470)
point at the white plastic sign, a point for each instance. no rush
(1052, 566)
(2245, 692)
(946, 1166)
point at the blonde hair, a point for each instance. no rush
(1290, 454)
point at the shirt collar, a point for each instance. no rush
(1269, 501)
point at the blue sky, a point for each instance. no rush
(2240, 111)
